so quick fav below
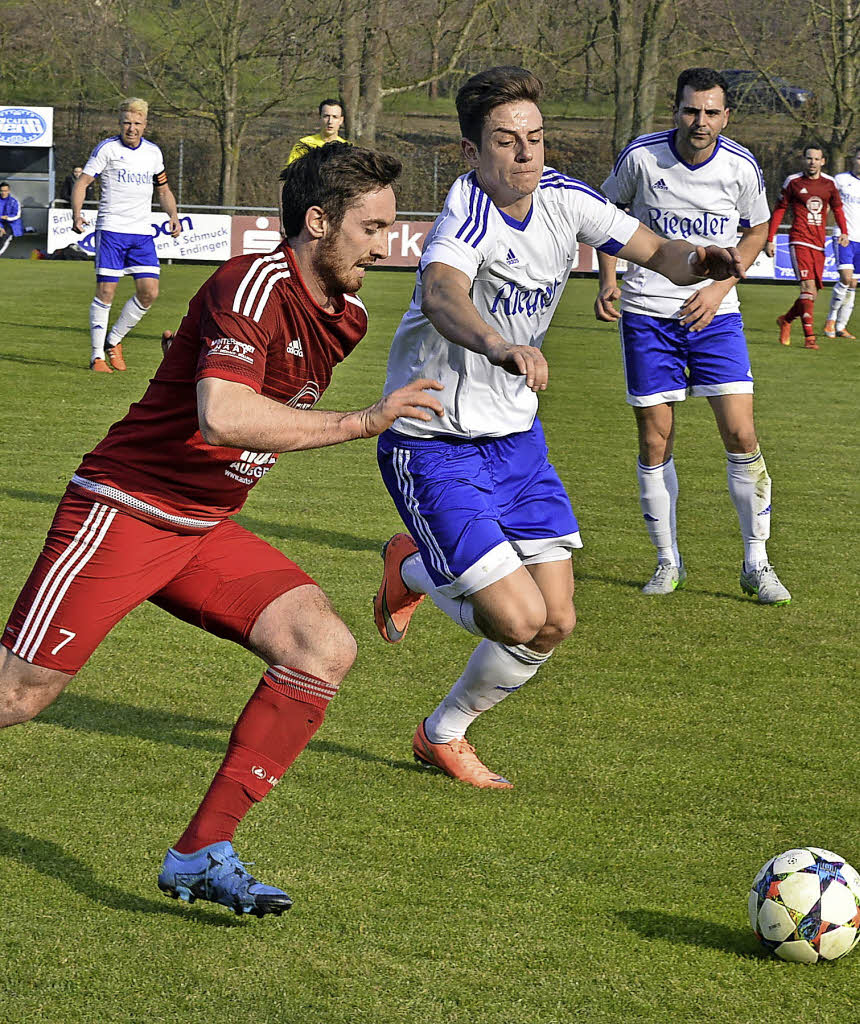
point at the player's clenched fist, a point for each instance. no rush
(410, 402)
(716, 263)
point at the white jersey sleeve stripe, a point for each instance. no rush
(270, 284)
(248, 278)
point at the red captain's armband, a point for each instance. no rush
(160, 179)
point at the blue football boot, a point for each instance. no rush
(215, 873)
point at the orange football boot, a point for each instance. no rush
(784, 330)
(456, 758)
(846, 334)
(810, 342)
(114, 355)
(100, 366)
(395, 603)
(829, 328)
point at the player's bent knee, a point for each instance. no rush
(515, 626)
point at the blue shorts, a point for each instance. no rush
(478, 509)
(118, 253)
(847, 256)
(664, 360)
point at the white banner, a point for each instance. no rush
(26, 126)
(205, 236)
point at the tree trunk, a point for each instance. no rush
(352, 33)
(624, 45)
(645, 97)
(845, 91)
(371, 82)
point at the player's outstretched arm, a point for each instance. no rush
(681, 262)
(233, 415)
(447, 304)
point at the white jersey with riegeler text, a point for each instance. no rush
(517, 270)
(849, 188)
(126, 180)
(704, 204)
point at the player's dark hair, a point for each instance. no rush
(700, 80)
(490, 89)
(332, 177)
(813, 145)
(329, 103)
(4, 184)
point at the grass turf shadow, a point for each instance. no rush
(48, 858)
(681, 929)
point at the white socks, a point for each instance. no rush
(132, 313)
(658, 498)
(492, 673)
(841, 304)
(460, 609)
(750, 488)
(837, 297)
(846, 309)
(99, 314)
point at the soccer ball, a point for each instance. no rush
(805, 906)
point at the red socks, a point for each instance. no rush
(803, 307)
(275, 726)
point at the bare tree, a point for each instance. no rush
(638, 28)
(828, 61)
(376, 44)
(226, 62)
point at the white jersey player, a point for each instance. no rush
(692, 183)
(128, 167)
(847, 256)
(492, 524)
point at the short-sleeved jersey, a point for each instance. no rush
(704, 204)
(809, 199)
(517, 271)
(126, 179)
(255, 323)
(848, 186)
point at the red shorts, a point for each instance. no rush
(808, 263)
(98, 563)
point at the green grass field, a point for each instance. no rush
(668, 749)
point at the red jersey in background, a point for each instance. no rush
(255, 323)
(809, 200)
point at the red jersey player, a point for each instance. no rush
(147, 514)
(809, 194)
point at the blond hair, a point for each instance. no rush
(134, 105)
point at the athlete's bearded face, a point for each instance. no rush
(344, 254)
(131, 128)
(509, 162)
(813, 161)
(699, 119)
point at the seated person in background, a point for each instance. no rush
(10, 217)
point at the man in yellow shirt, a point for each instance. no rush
(331, 121)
